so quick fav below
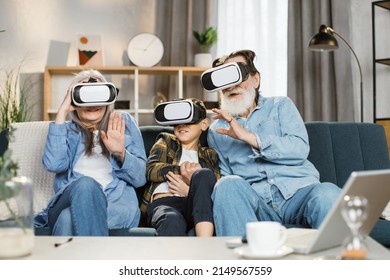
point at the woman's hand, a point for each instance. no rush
(176, 184)
(114, 138)
(235, 129)
(65, 108)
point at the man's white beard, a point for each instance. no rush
(238, 107)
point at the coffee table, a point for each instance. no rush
(161, 248)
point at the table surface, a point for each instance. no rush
(161, 248)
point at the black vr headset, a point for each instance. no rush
(182, 111)
(93, 93)
(224, 76)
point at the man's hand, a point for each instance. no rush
(235, 129)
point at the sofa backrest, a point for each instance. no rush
(150, 133)
(338, 148)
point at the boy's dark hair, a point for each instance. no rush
(200, 104)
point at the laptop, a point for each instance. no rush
(373, 185)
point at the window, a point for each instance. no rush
(262, 27)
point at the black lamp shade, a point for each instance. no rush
(323, 40)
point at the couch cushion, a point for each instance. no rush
(150, 133)
(321, 150)
(338, 148)
(375, 150)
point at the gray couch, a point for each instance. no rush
(337, 149)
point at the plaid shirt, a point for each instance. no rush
(165, 156)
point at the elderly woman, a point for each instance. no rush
(99, 160)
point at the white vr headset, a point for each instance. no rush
(94, 94)
(224, 76)
(175, 112)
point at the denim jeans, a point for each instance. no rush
(236, 203)
(175, 216)
(80, 210)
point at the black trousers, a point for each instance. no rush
(175, 216)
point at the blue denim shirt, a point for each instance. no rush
(281, 159)
(65, 145)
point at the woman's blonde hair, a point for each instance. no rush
(103, 124)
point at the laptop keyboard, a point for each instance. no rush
(300, 237)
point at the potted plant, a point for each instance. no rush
(16, 210)
(13, 98)
(206, 39)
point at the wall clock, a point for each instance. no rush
(145, 50)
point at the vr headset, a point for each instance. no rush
(224, 76)
(181, 111)
(94, 94)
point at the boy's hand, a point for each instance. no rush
(176, 184)
(187, 169)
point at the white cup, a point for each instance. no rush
(265, 237)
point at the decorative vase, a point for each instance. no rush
(203, 60)
(16, 218)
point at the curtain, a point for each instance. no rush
(262, 27)
(175, 20)
(320, 83)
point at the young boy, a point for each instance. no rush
(182, 175)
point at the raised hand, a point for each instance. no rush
(235, 129)
(114, 138)
(65, 108)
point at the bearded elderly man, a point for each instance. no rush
(263, 146)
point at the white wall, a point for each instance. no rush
(31, 24)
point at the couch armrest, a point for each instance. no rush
(27, 146)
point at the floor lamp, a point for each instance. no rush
(325, 41)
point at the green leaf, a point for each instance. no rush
(207, 38)
(13, 97)
(8, 170)
(9, 189)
